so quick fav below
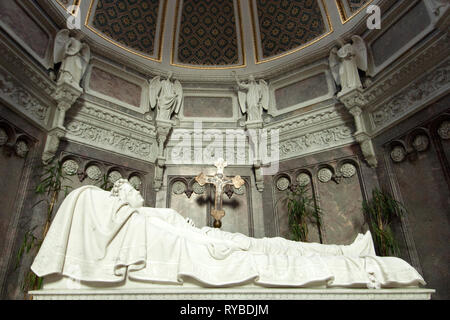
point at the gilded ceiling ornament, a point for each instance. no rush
(325, 175)
(70, 167)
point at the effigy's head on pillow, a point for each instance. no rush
(126, 192)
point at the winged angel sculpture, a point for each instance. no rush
(167, 95)
(346, 61)
(256, 98)
(73, 54)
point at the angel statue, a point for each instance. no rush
(346, 61)
(73, 54)
(167, 94)
(256, 98)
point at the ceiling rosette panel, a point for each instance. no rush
(208, 34)
(134, 25)
(286, 26)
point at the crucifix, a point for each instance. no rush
(219, 180)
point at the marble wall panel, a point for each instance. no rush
(341, 203)
(427, 198)
(24, 27)
(208, 107)
(301, 91)
(421, 181)
(283, 217)
(199, 205)
(110, 85)
(400, 33)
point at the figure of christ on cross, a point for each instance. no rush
(219, 180)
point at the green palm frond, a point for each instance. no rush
(301, 209)
(382, 210)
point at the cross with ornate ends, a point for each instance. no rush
(219, 180)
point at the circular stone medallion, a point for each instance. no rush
(136, 182)
(325, 175)
(93, 172)
(444, 130)
(197, 188)
(348, 170)
(282, 183)
(70, 167)
(113, 176)
(3, 137)
(421, 142)
(239, 191)
(178, 187)
(398, 154)
(303, 179)
(22, 149)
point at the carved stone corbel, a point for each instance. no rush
(254, 128)
(163, 128)
(65, 96)
(355, 103)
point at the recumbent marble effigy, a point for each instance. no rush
(105, 239)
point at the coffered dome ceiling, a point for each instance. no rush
(213, 37)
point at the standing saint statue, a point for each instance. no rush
(346, 61)
(73, 54)
(255, 100)
(167, 95)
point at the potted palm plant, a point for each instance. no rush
(302, 209)
(382, 210)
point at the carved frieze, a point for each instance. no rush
(16, 95)
(412, 96)
(317, 140)
(109, 139)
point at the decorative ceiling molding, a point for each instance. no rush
(71, 6)
(348, 9)
(138, 30)
(279, 24)
(219, 33)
